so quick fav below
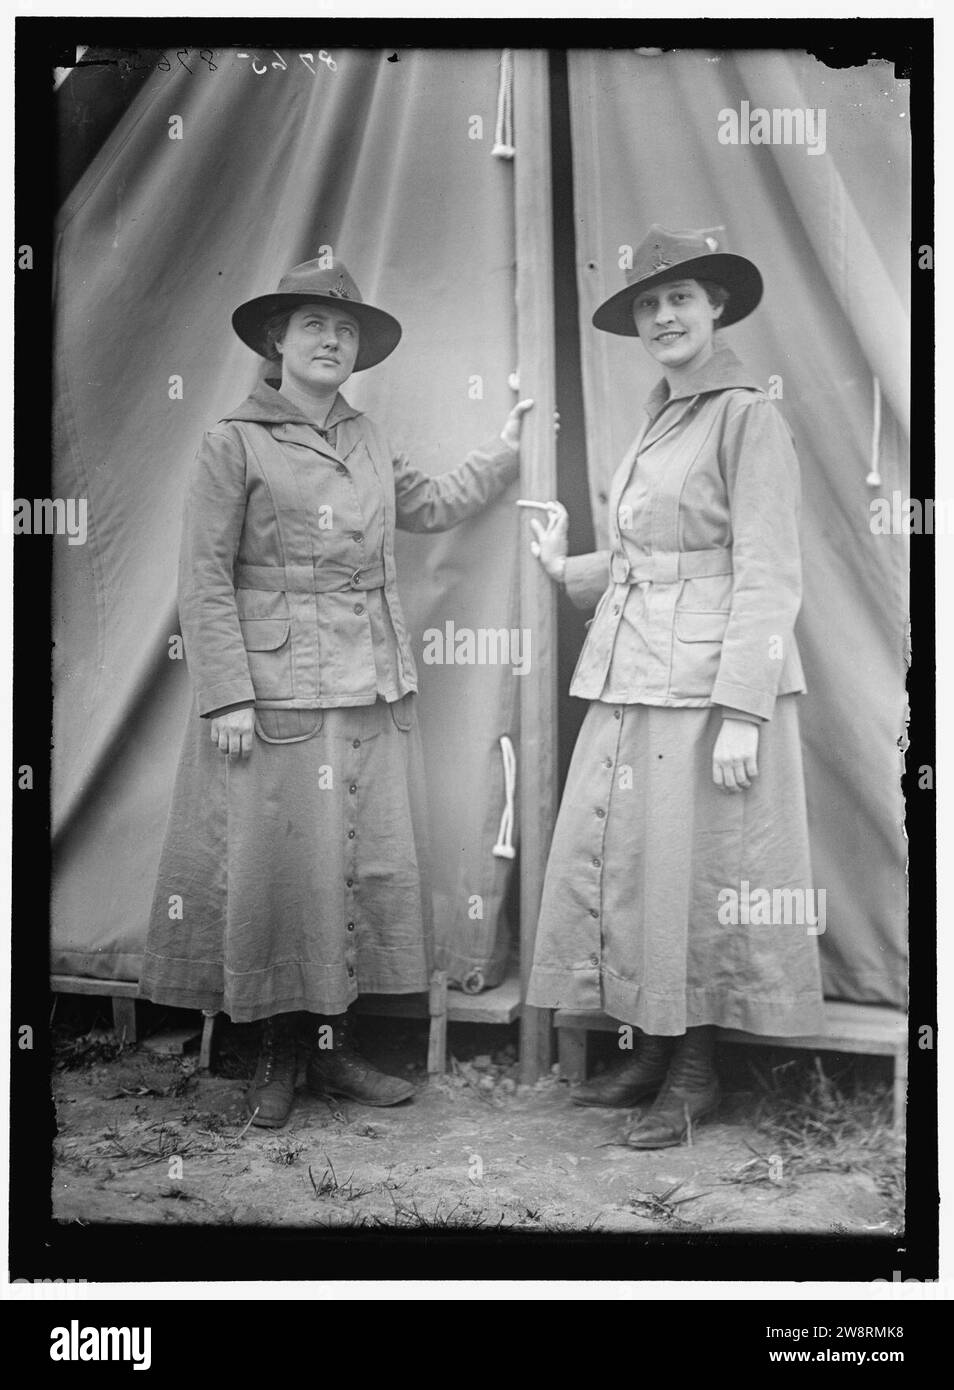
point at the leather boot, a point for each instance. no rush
(690, 1093)
(630, 1081)
(340, 1070)
(272, 1091)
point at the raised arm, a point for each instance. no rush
(585, 577)
(429, 503)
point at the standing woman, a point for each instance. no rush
(685, 791)
(294, 875)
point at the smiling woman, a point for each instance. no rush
(687, 776)
(676, 320)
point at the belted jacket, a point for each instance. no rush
(698, 595)
(287, 586)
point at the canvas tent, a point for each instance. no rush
(211, 183)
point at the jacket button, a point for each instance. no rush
(359, 609)
(351, 926)
(351, 971)
(341, 468)
(350, 884)
(597, 863)
(357, 535)
(352, 789)
(599, 810)
(350, 834)
(616, 608)
(594, 913)
(617, 714)
(608, 763)
(594, 960)
(356, 743)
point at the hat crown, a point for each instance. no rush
(661, 249)
(318, 277)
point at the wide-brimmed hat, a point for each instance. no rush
(317, 282)
(665, 255)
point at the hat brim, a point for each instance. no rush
(379, 333)
(736, 274)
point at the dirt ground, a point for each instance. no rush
(145, 1138)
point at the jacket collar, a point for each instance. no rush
(723, 370)
(267, 406)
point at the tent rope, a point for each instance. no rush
(504, 849)
(503, 132)
(874, 476)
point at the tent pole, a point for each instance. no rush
(537, 776)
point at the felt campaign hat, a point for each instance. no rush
(316, 282)
(664, 255)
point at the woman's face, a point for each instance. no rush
(319, 348)
(676, 322)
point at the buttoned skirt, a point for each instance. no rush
(659, 882)
(297, 878)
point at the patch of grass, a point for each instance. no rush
(285, 1152)
(813, 1120)
(72, 1051)
(662, 1206)
(329, 1186)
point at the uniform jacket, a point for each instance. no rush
(699, 593)
(287, 592)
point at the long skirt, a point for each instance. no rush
(297, 878)
(659, 883)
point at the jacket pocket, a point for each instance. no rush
(268, 647)
(402, 712)
(288, 725)
(700, 627)
(696, 651)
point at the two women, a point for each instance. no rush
(686, 781)
(294, 876)
(294, 871)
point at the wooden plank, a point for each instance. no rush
(874, 1045)
(498, 1005)
(437, 1038)
(106, 989)
(844, 1010)
(124, 1018)
(865, 1028)
(205, 1046)
(572, 1053)
(598, 275)
(537, 753)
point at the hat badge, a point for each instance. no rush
(659, 260)
(340, 289)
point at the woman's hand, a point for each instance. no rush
(510, 434)
(735, 756)
(550, 546)
(234, 733)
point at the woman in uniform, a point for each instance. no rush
(685, 792)
(293, 875)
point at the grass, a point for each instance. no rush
(813, 1120)
(73, 1051)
